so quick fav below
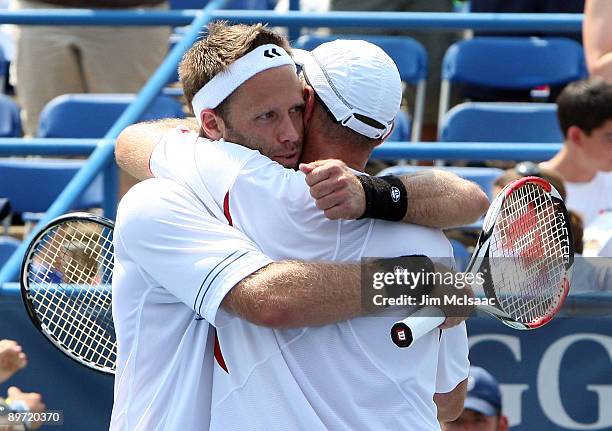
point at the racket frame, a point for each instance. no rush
(479, 263)
(25, 287)
(479, 260)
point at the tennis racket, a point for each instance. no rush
(524, 255)
(66, 288)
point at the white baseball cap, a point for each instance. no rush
(354, 79)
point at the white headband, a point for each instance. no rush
(225, 83)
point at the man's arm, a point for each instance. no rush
(450, 404)
(135, 144)
(436, 198)
(598, 38)
(293, 294)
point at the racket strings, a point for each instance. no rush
(529, 252)
(73, 271)
(70, 325)
(69, 288)
(72, 315)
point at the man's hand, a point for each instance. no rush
(12, 359)
(455, 314)
(336, 189)
(32, 400)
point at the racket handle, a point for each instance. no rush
(405, 332)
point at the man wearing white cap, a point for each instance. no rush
(346, 375)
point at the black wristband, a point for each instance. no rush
(386, 197)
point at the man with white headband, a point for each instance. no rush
(346, 375)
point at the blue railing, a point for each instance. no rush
(101, 150)
(476, 151)
(510, 22)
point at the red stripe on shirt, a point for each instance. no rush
(226, 209)
(219, 355)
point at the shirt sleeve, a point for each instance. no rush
(453, 363)
(166, 231)
(164, 160)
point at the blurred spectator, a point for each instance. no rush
(20, 402)
(435, 42)
(577, 226)
(606, 249)
(598, 38)
(12, 359)
(584, 109)
(55, 60)
(598, 236)
(529, 169)
(482, 410)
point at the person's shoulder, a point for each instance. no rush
(180, 134)
(151, 199)
(606, 176)
(152, 188)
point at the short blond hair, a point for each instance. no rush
(222, 46)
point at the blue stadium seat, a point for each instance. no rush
(409, 55)
(10, 121)
(32, 185)
(501, 122)
(92, 115)
(510, 63)
(8, 245)
(484, 177)
(401, 129)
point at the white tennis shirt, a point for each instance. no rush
(347, 375)
(590, 199)
(173, 263)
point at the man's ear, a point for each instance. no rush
(503, 423)
(384, 138)
(212, 125)
(309, 101)
(575, 135)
